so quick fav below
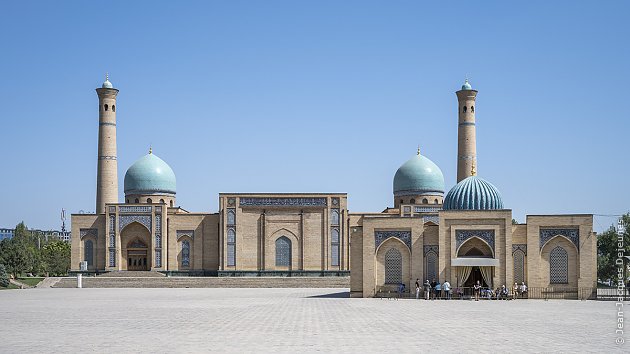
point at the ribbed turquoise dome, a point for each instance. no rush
(473, 193)
(150, 175)
(417, 176)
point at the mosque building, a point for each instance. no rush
(464, 236)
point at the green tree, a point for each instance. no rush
(56, 258)
(608, 251)
(15, 256)
(4, 277)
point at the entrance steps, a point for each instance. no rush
(106, 281)
(132, 274)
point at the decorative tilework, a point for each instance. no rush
(124, 220)
(519, 246)
(186, 253)
(231, 216)
(158, 223)
(393, 266)
(335, 201)
(107, 157)
(182, 233)
(462, 236)
(431, 266)
(420, 209)
(380, 236)
(281, 202)
(558, 266)
(573, 234)
(88, 232)
(334, 217)
(158, 258)
(112, 209)
(112, 240)
(431, 218)
(134, 209)
(231, 201)
(283, 252)
(112, 223)
(158, 241)
(112, 257)
(519, 265)
(431, 248)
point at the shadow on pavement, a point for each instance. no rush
(340, 295)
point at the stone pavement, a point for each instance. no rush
(293, 320)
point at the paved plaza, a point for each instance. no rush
(293, 320)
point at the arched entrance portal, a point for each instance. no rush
(136, 246)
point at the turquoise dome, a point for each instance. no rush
(419, 175)
(150, 175)
(473, 193)
(466, 85)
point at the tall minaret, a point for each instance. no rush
(466, 132)
(107, 172)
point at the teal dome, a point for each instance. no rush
(150, 175)
(419, 175)
(473, 193)
(466, 85)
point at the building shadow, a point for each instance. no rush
(339, 295)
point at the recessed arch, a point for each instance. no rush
(475, 243)
(134, 223)
(394, 239)
(385, 259)
(555, 237)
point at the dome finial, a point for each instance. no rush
(106, 76)
(418, 150)
(473, 170)
(150, 149)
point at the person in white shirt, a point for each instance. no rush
(447, 289)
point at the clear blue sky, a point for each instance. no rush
(316, 96)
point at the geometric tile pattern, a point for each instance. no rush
(380, 236)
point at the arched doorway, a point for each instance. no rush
(137, 255)
(475, 248)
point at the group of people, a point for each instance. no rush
(502, 293)
(436, 290)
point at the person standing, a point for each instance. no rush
(433, 289)
(523, 289)
(417, 288)
(447, 289)
(477, 289)
(438, 290)
(427, 289)
(515, 291)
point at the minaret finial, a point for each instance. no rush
(418, 149)
(473, 170)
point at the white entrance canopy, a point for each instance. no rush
(474, 262)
